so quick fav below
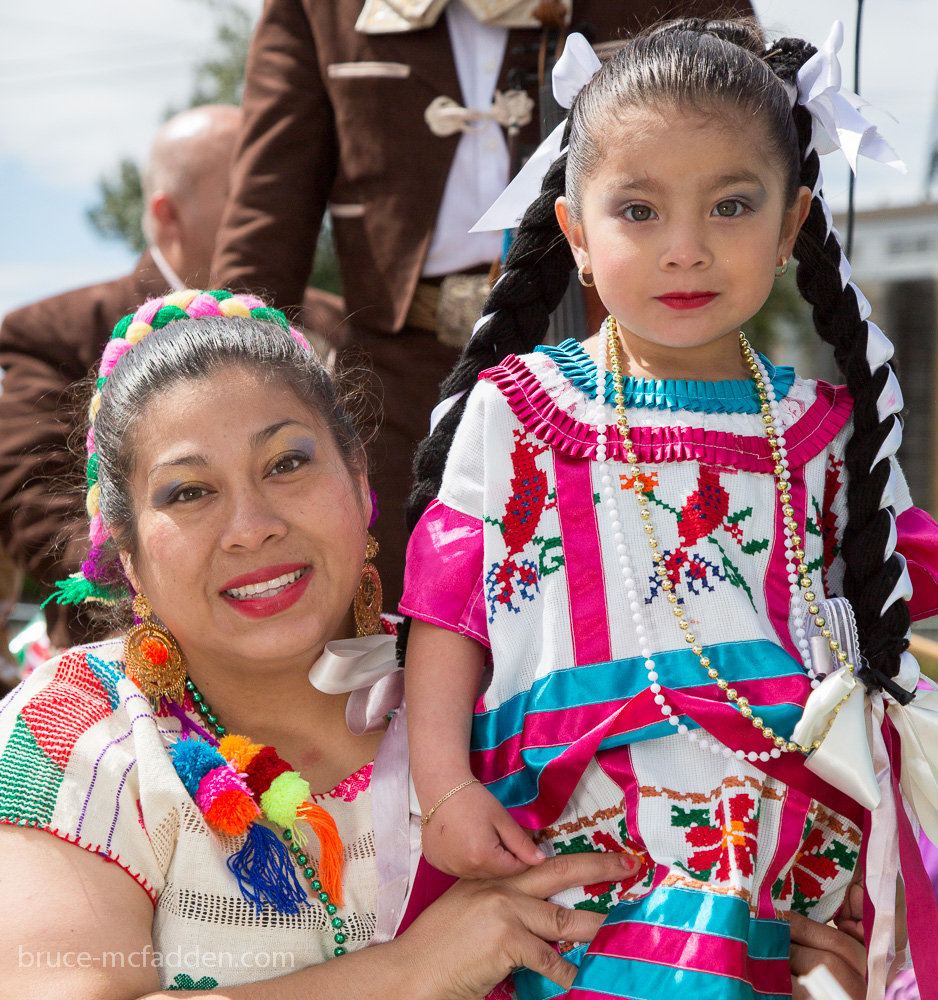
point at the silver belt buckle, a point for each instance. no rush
(459, 306)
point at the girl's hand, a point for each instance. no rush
(841, 950)
(471, 938)
(472, 835)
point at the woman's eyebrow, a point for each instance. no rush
(268, 432)
(199, 460)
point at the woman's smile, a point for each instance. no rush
(268, 591)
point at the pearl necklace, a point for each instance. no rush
(799, 580)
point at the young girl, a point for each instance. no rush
(641, 530)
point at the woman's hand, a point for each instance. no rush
(472, 835)
(471, 938)
(841, 949)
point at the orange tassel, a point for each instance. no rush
(330, 848)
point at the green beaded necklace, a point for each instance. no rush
(302, 861)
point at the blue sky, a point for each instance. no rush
(82, 85)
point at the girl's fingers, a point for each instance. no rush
(567, 871)
(518, 843)
(803, 960)
(815, 937)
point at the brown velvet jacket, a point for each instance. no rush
(333, 117)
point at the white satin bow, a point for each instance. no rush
(577, 65)
(852, 757)
(835, 110)
(367, 668)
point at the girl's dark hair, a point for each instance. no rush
(188, 350)
(721, 69)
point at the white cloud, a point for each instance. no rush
(82, 85)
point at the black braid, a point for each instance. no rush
(869, 578)
(536, 274)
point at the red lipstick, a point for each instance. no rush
(687, 300)
(263, 606)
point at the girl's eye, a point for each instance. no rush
(639, 213)
(287, 463)
(729, 208)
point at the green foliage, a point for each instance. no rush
(119, 214)
(219, 80)
(784, 306)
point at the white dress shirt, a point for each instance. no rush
(480, 167)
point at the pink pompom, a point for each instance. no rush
(98, 532)
(148, 310)
(300, 339)
(113, 351)
(89, 441)
(203, 305)
(252, 301)
(217, 781)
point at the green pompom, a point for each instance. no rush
(286, 793)
(271, 316)
(121, 328)
(167, 314)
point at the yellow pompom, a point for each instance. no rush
(233, 307)
(181, 298)
(94, 406)
(137, 331)
(286, 793)
(239, 751)
(92, 500)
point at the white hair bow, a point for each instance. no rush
(838, 123)
(573, 70)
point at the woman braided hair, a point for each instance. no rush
(716, 64)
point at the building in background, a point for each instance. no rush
(895, 263)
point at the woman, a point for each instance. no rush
(227, 487)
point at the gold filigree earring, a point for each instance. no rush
(367, 605)
(153, 659)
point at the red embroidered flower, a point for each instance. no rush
(727, 845)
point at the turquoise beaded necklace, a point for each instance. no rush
(301, 859)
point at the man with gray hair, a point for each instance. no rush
(49, 346)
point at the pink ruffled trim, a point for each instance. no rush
(535, 409)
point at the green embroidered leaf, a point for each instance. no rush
(546, 565)
(601, 904)
(741, 516)
(185, 982)
(672, 510)
(751, 548)
(689, 817)
(732, 573)
(579, 845)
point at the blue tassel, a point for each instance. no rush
(266, 873)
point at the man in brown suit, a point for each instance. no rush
(383, 112)
(48, 347)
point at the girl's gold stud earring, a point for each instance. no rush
(781, 269)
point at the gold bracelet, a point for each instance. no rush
(452, 791)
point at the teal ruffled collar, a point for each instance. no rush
(728, 396)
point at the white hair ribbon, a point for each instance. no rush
(838, 123)
(577, 65)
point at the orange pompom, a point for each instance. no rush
(239, 751)
(330, 848)
(154, 650)
(232, 812)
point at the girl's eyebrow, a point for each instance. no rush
(649, 184)
(740, 177)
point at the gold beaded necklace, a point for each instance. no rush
(783, 485)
